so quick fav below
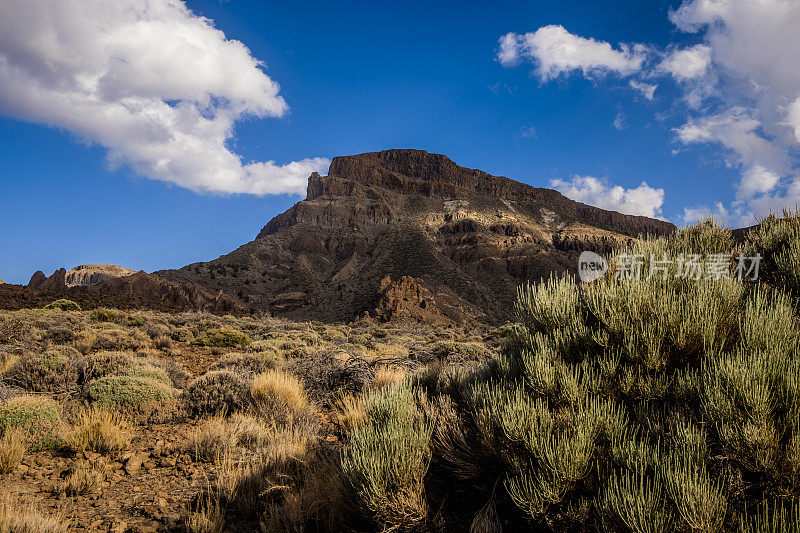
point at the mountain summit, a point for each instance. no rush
(410, 234)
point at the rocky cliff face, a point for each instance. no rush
(84, 275)
(457, 239)
(138, 290)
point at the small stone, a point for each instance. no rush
(148, 465)
(133, 464)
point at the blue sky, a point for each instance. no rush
(364, 76)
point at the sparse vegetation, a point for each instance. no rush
(660, 404)
(64, 305)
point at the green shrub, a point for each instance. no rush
(131, 394)
(102, 314)
(222, 338)
(56, 370)
(64, 305)
(218, 391)
(386, 457)
(777, 240)
(38, 415)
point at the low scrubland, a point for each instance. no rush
(644, 403)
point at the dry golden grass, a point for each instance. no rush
(16, 517)
(13, 446)
(211, 438)
(98, 430)
(206, 516)
(349, 411)
(83, 478)
(275, 389)
(386, 376)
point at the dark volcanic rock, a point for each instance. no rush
(457, 239)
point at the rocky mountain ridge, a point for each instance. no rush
(386, 233)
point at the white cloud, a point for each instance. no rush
(757, 180)
(158, 86)
(647, 89)
(740, 89)
(687, 63)
(793, 118)
(695, 214)
(555, 51)
(643, 200)
(620, 121)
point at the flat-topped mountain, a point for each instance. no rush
(406, 233)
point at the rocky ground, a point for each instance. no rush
(154, 482)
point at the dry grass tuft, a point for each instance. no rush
(13, 446)
(349, 411)
(205, 516)
(16, 517)
(386, 376)
(98, 430)
(83, 478)
(276, 392)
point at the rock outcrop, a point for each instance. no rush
(84, 275)
(454, 243)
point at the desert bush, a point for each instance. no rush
(222, 338)
(218, 391)
(98, 430)
(133, 395)
(635, 404)
(64, 305)
(777, 240)
(13, 445)
(37, 415)
(247, 364)
(326, 374)
(18, 517)
(102, 314)
(177, 375)
(60, 334)
(55, 370)
(386, 457)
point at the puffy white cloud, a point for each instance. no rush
(643, 200)
(687, 63)
(160, 87)
(555, 51)
(648, 90)
(740, 84)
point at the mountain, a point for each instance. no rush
(82, 275)
(410, 234)
(134, 291)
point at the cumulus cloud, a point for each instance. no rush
(158, 86)
(555, 51)
(688, 63)
(740, 85)
(695, 214)
(643, 200)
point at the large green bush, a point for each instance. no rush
(222, 338)
(39, 416)
(635, 404)
(55, 370)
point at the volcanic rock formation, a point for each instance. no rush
(82, 275)
(456, 241)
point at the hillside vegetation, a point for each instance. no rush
(633, 403)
